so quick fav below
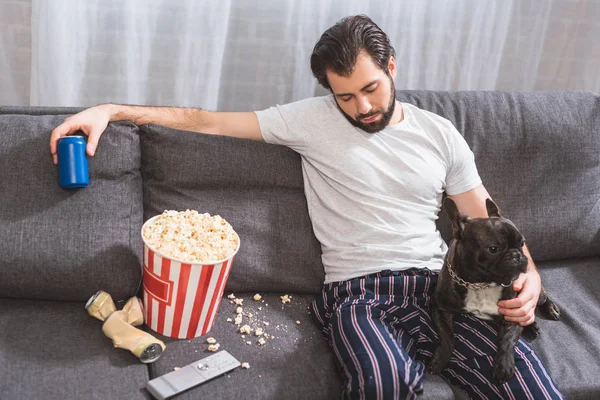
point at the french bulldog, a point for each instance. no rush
(483, 260)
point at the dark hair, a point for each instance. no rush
(338, 48)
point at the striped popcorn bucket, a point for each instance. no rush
(181, 299)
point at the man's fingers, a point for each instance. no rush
(523, 321)
(63, 129)
(517, 302)
(92, 142)
(519, 282)
(519, 312)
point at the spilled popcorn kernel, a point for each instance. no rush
(211, 340)
(297, 322)
(285, 299)
(213, 347)
(245, 329)
(261, 341)
(245, 365)
(239, 302)
(239, 310)
(231, 296)
(258, 332)
(238, 320)
(257, 297)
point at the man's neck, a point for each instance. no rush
(398, 115)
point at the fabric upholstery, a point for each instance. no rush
(60, 244)
(537, 155)
(297, 364)
(55, 351)
(256, 187)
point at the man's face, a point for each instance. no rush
(367, 96)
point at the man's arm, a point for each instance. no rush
(93, 121)
(522, 308)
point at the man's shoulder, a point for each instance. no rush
(311, 111)
(419, 112)
(316, 102)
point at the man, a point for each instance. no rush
(375, 171)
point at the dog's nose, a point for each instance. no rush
(516, 254)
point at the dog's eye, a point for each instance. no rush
(493, 249)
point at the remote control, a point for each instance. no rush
(194, 374)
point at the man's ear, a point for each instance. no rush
(456, 218)
(492, 208)
(392, 67)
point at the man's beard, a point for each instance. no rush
(381, 123)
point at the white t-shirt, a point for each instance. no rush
(373, 199)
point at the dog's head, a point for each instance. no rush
(486, 249)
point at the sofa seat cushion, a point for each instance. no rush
(55, 351)
(296, 364)
(256, 187)
(58, 244)
(571, 347)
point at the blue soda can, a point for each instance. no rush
(72, 163)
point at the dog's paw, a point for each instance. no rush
(552, 310)
(504, 369)
(531, 332)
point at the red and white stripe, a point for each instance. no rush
(181, 300)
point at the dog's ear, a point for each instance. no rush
(492, 208)
(457, 219)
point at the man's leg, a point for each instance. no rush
(471, 365)
(377, 327)
(372, 354)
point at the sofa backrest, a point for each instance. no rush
(538, 155)
(256, 187)
(59, 244)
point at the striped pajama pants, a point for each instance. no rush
(381, 333)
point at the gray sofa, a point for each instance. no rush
(538, 155)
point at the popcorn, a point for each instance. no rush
(261, 341)
(245, 329)
(239, 302)
(245, 365)
(297, 322)
(258, 332)
(238, 320)
(238, 310)
(191, 237)
(257, 297)
(231, 296)
(211, 340)
(213, 347)
(285, 299)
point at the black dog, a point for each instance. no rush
(484, 259)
